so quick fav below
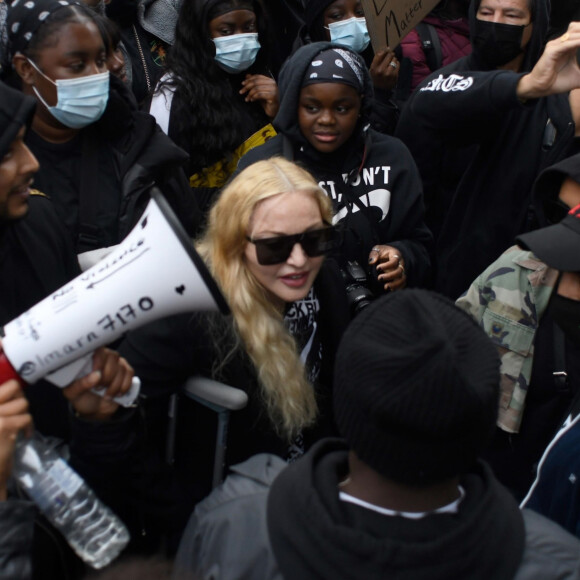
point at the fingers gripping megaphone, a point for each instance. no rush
(155, 272)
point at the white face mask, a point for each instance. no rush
(80, 101)
(236, 52)
(352, 33)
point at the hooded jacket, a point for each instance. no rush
(547, 186)
(480, 149)
(370, 171)
(159, 17)
(301, 529)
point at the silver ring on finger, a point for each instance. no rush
(393, 64)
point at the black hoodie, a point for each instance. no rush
(268, 522)
(548, 184)
(478, 199)
(314, 535)
(124, 153)
(379, 170)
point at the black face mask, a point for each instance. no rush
(566, 314)
(495, 44)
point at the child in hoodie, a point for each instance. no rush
(343, 22)
(323, 123)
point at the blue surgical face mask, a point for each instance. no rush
(80, 101)
(352, 33)
(236, 52)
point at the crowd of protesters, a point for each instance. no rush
(396, 234)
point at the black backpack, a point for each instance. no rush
(431, 47)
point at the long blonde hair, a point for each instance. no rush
(288, 396)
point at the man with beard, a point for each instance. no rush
(36, 253)
(37, 258)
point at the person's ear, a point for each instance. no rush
(23, 68)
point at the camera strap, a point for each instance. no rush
(352, 198)
(346, 189)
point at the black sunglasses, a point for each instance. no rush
(276, 250)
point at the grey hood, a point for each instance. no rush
(159, 17)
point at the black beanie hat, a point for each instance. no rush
(416, 388)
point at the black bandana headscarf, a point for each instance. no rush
(336, 65)
(26, 16)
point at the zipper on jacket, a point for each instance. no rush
(145, 69)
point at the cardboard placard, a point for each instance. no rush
(389, 21)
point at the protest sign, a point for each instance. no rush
(389, 21)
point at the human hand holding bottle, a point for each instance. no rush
(14, 417)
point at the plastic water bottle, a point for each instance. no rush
(92, 530)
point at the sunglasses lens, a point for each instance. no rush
(318, 242)
(273, 250)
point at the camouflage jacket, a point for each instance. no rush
(508, 300)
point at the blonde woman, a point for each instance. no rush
(265, 244)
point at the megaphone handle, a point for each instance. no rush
(81, 367)
(126, 400)
(7, 371)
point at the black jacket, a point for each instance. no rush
(479, 151)
(484, 540)
(140, 155)
(165, 353)
(514, 140)
(36, 258)
(371, 170)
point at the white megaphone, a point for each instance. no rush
(155, 272)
